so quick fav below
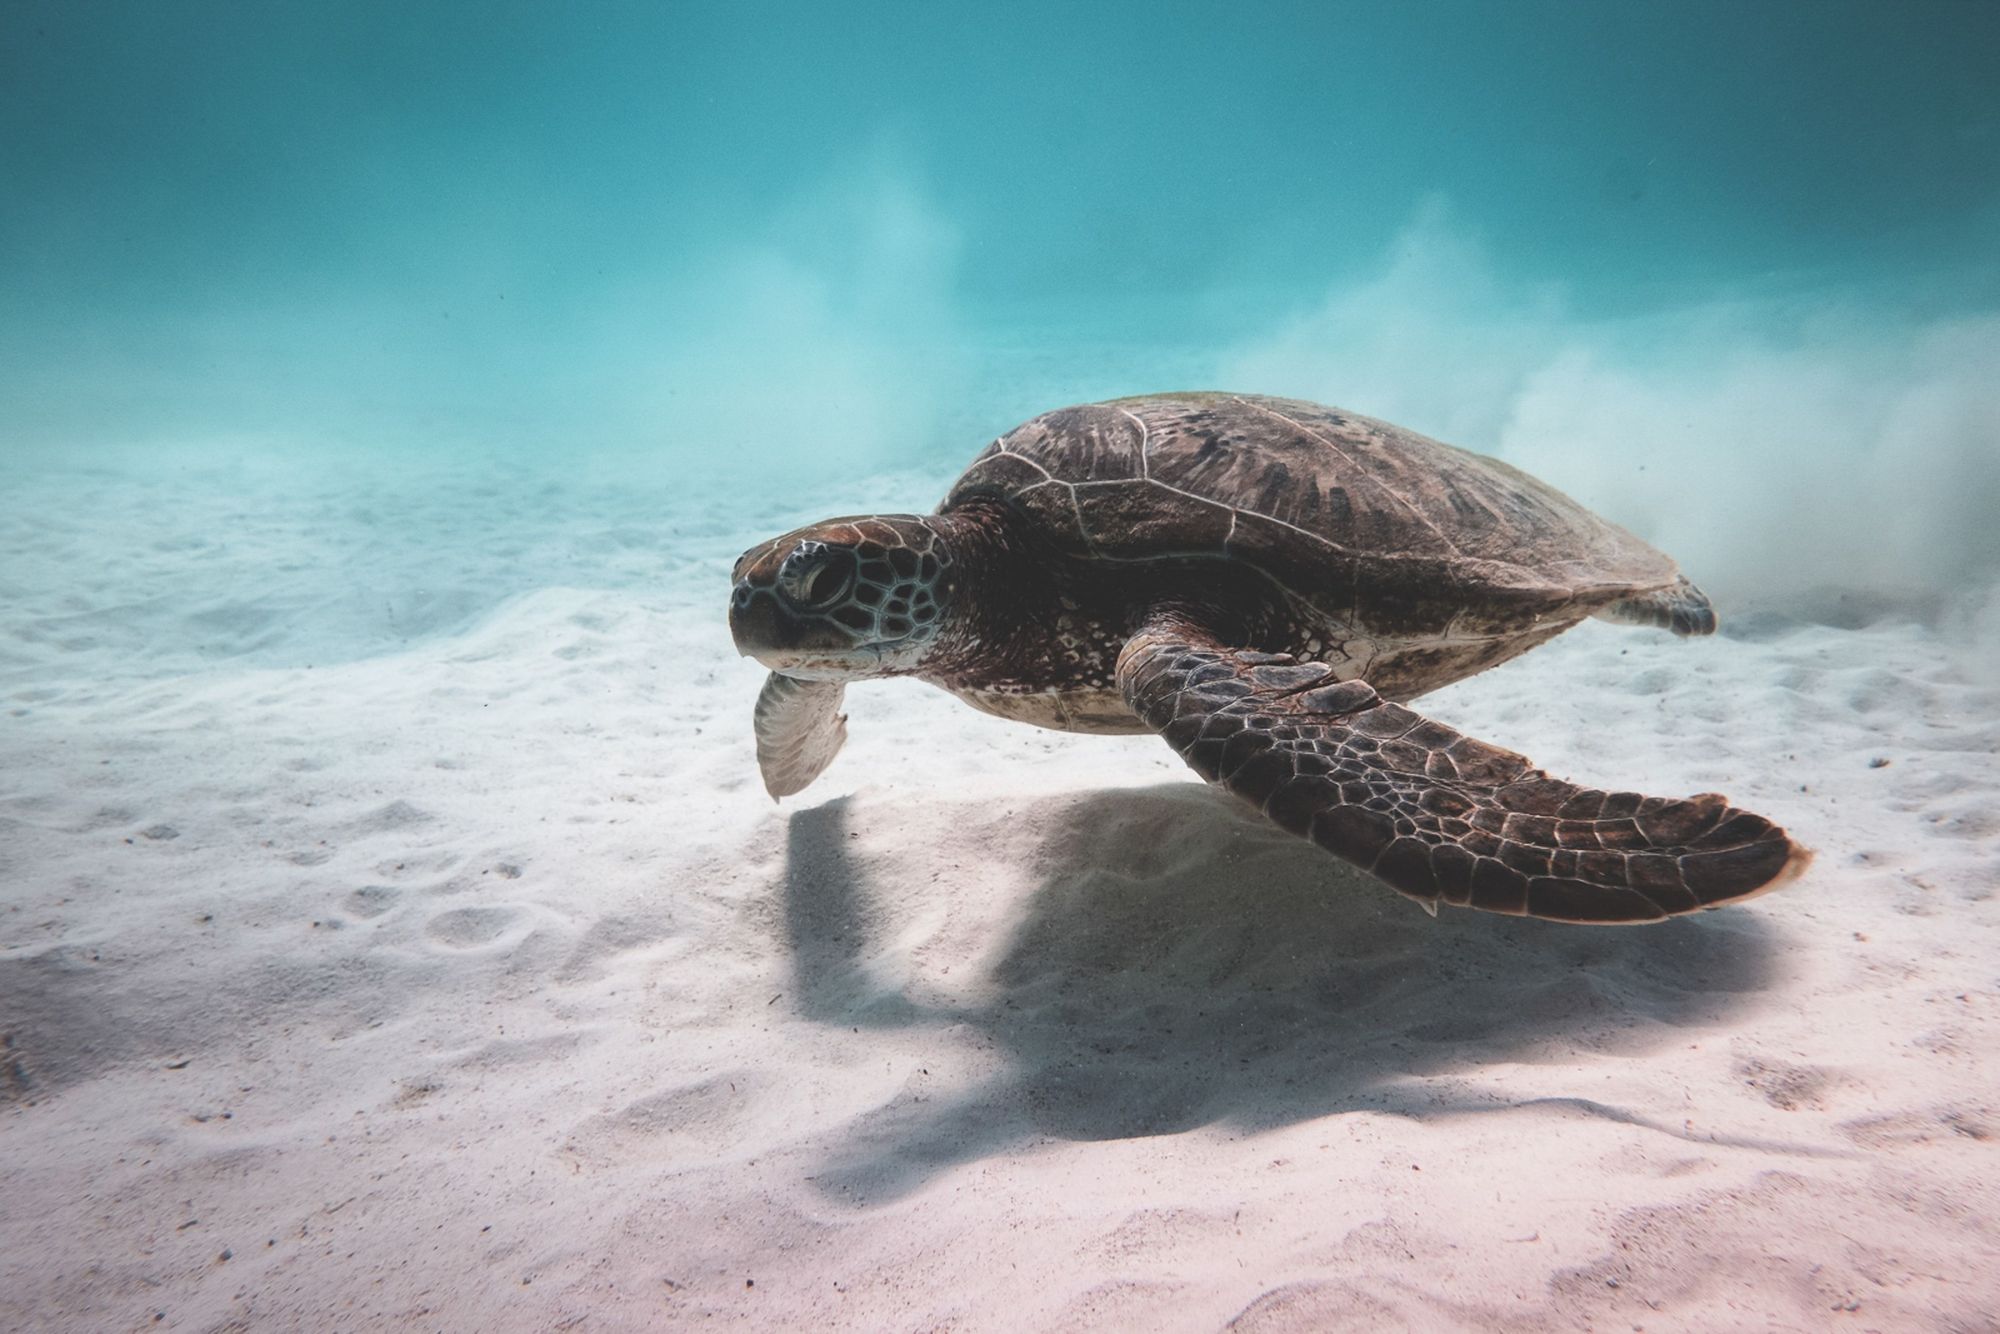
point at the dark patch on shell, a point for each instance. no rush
(1361, 519)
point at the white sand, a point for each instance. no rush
(394, 935)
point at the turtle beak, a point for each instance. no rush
(808, 647)
(753, 621)
(766, 629)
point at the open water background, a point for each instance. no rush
(1726, 271)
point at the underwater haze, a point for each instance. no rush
(1750, 246)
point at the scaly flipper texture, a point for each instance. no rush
(1433, 812)
(800, 728)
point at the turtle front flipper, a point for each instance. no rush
(1434, 813)
(800, 728)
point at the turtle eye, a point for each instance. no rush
(814, 576)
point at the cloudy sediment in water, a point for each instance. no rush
(816, 233)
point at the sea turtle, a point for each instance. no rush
(1263, 582)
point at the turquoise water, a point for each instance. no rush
(1749, 248)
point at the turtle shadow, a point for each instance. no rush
(1182, 964)
(832, 924)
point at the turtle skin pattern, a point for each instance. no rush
(1436, 814)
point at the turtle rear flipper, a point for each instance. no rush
(1438, 815)
(800, 728)
(1681, 608)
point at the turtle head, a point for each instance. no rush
(842, 599)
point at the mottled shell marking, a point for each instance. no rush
(1365, 520)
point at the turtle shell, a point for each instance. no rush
(1348, 513)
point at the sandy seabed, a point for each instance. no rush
(394, 935)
